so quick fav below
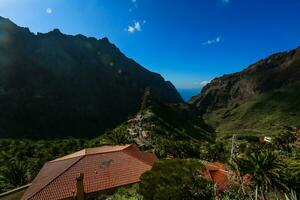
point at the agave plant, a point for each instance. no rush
(264, 167)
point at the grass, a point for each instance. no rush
(266, 114)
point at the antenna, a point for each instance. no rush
(232, 147)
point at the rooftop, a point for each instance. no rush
(104, 168)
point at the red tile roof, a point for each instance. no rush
(103, 168)
(218, 173)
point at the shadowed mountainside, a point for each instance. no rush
(57, 85)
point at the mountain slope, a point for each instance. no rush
(258, 100)
(56, 85)
(169, 130)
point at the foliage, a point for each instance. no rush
(292, 171)
(118, 135)
(291, 196)
(21, 160)
(214, 152)
(285, 139)
(15, 175)
(177, 180)
(265, 169)
(127, 194)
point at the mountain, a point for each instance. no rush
(260, 100)
(57, 85)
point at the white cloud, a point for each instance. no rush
(216, 40)
(136, 27)
(204, 83)
(49, 11)
(130, 29)
(200, 84)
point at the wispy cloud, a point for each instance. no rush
(136, 27)
(49, 11)
(204, 83)
(200, 84)
(216, 40)
(135, 3)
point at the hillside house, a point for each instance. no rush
(218, 173)
(90, 173)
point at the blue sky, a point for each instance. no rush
(188, 41)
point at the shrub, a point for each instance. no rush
(176, 180)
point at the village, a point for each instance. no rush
(95, 173)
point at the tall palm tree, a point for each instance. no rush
(264, 168)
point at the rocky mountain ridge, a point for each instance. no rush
(57, 85)
(264, 94)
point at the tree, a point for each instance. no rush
(285, 139)
(176, 180)
(119, 135)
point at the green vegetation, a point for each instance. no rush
(130, 193)
(260, 100)
(274, 167)
(176, 180)
(173, 130)
(267, 114)
(21, 160)
(174, 134)
(272, 170)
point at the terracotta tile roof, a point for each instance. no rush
(104, 168)
(89, 151)
(218, 173)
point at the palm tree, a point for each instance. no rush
(16, 174)
(264, 168)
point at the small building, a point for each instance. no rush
(218, 173)
(267, 139)
(90, 173)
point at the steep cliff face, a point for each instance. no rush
(266, 94)
(56, 85)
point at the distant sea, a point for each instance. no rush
(187, 94)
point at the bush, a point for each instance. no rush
(176, 180)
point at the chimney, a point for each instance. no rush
(80, 187)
